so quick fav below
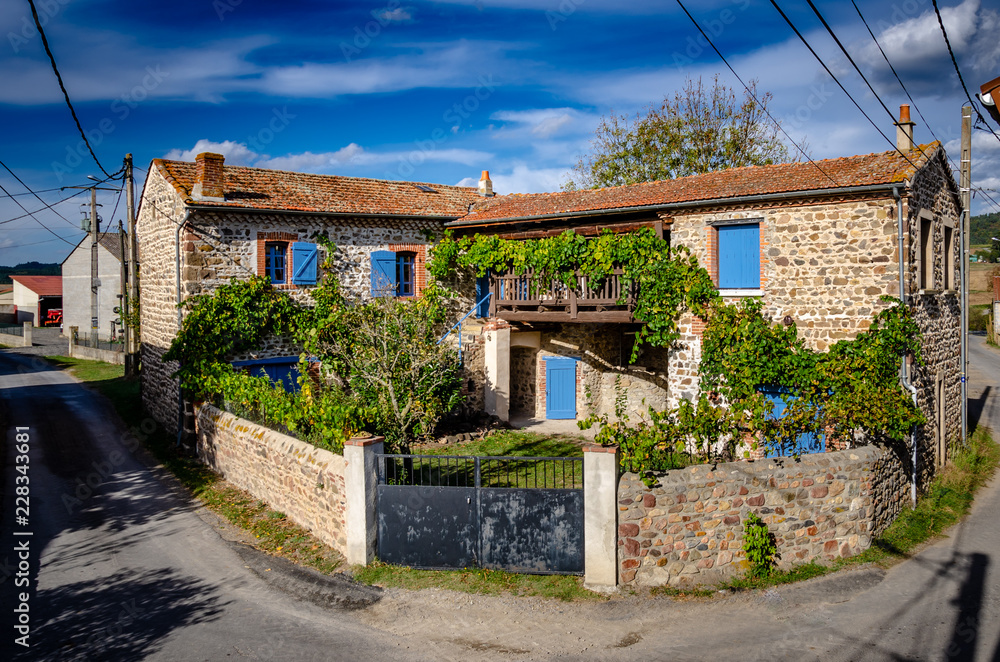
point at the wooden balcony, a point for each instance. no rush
(526, 298)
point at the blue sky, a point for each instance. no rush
(438, 91)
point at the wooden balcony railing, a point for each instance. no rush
(527, 298)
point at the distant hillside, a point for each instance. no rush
(30, 269)
(983, 227)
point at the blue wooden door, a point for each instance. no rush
(806, 442)
(560, 388)
(739, 256)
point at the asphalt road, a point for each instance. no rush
(122, 567)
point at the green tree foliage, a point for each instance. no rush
(701, 129)
(669, 279)
(983, 228)
(234, 318)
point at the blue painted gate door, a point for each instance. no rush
(560, 388)
(806, 442)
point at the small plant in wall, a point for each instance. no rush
(760, 546)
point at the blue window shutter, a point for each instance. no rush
(304, 257)
(383, 273)
(739, 256)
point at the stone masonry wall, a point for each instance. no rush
(303, 482)
(688, 529)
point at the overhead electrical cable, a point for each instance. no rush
(747, 88)
(839, 84)
(62, 86)
(32, 192)
(32, 215)
(959, 71)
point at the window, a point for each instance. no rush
(405, 279)
(274, 261)
(739, 256)
(949, 258)
(926, 253)
(282, 370)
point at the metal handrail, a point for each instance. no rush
(459, 324)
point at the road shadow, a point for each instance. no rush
(969, 602)
(125, 616)
(977, 406)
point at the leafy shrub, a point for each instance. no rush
(760, 547)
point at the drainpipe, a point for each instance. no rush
(177, 265)
(904, 377)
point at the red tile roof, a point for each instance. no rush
(868, 169)
(257, 188)
(43, 286)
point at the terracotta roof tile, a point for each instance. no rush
(257, 188)
(868, 169)
(43, 286)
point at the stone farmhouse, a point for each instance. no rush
(817, 242)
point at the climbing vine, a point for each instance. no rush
(670, 281)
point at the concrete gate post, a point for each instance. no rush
(497, 349)
(27, 335)
(360, 482)
(600, 518)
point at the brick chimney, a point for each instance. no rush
(208, 178)
(486, 185)
(904, 129)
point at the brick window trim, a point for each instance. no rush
(419, 252)
(288, 238)
(712, 265)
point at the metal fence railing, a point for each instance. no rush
(109, 345)
(12, 329)
(470, 471)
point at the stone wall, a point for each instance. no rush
(688, 529)
(303, 482)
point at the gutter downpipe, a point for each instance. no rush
(177, 265)
(904, 377)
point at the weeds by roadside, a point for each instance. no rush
(477, 580)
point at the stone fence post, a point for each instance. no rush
(600, 525)
(27, 335)
(360, 480)
(73, 330)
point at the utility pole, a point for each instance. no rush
(123, 299)
(94, 284)
(965, 188)
(132, 301)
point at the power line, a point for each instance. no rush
(33, 243)
(55, 69)
(32, 192)
(959, 71)
(839, 84)
(47, 206)
(50, 230)
(41, 190)
(747, 88)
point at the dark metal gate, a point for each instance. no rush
(523, 514)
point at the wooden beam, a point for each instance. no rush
(609, 316)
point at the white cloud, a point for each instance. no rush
(524, 179)
(396, 15)
(235, 153)
(325, 162)
(542, 122)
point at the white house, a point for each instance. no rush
(35, 296)
(76, 273)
